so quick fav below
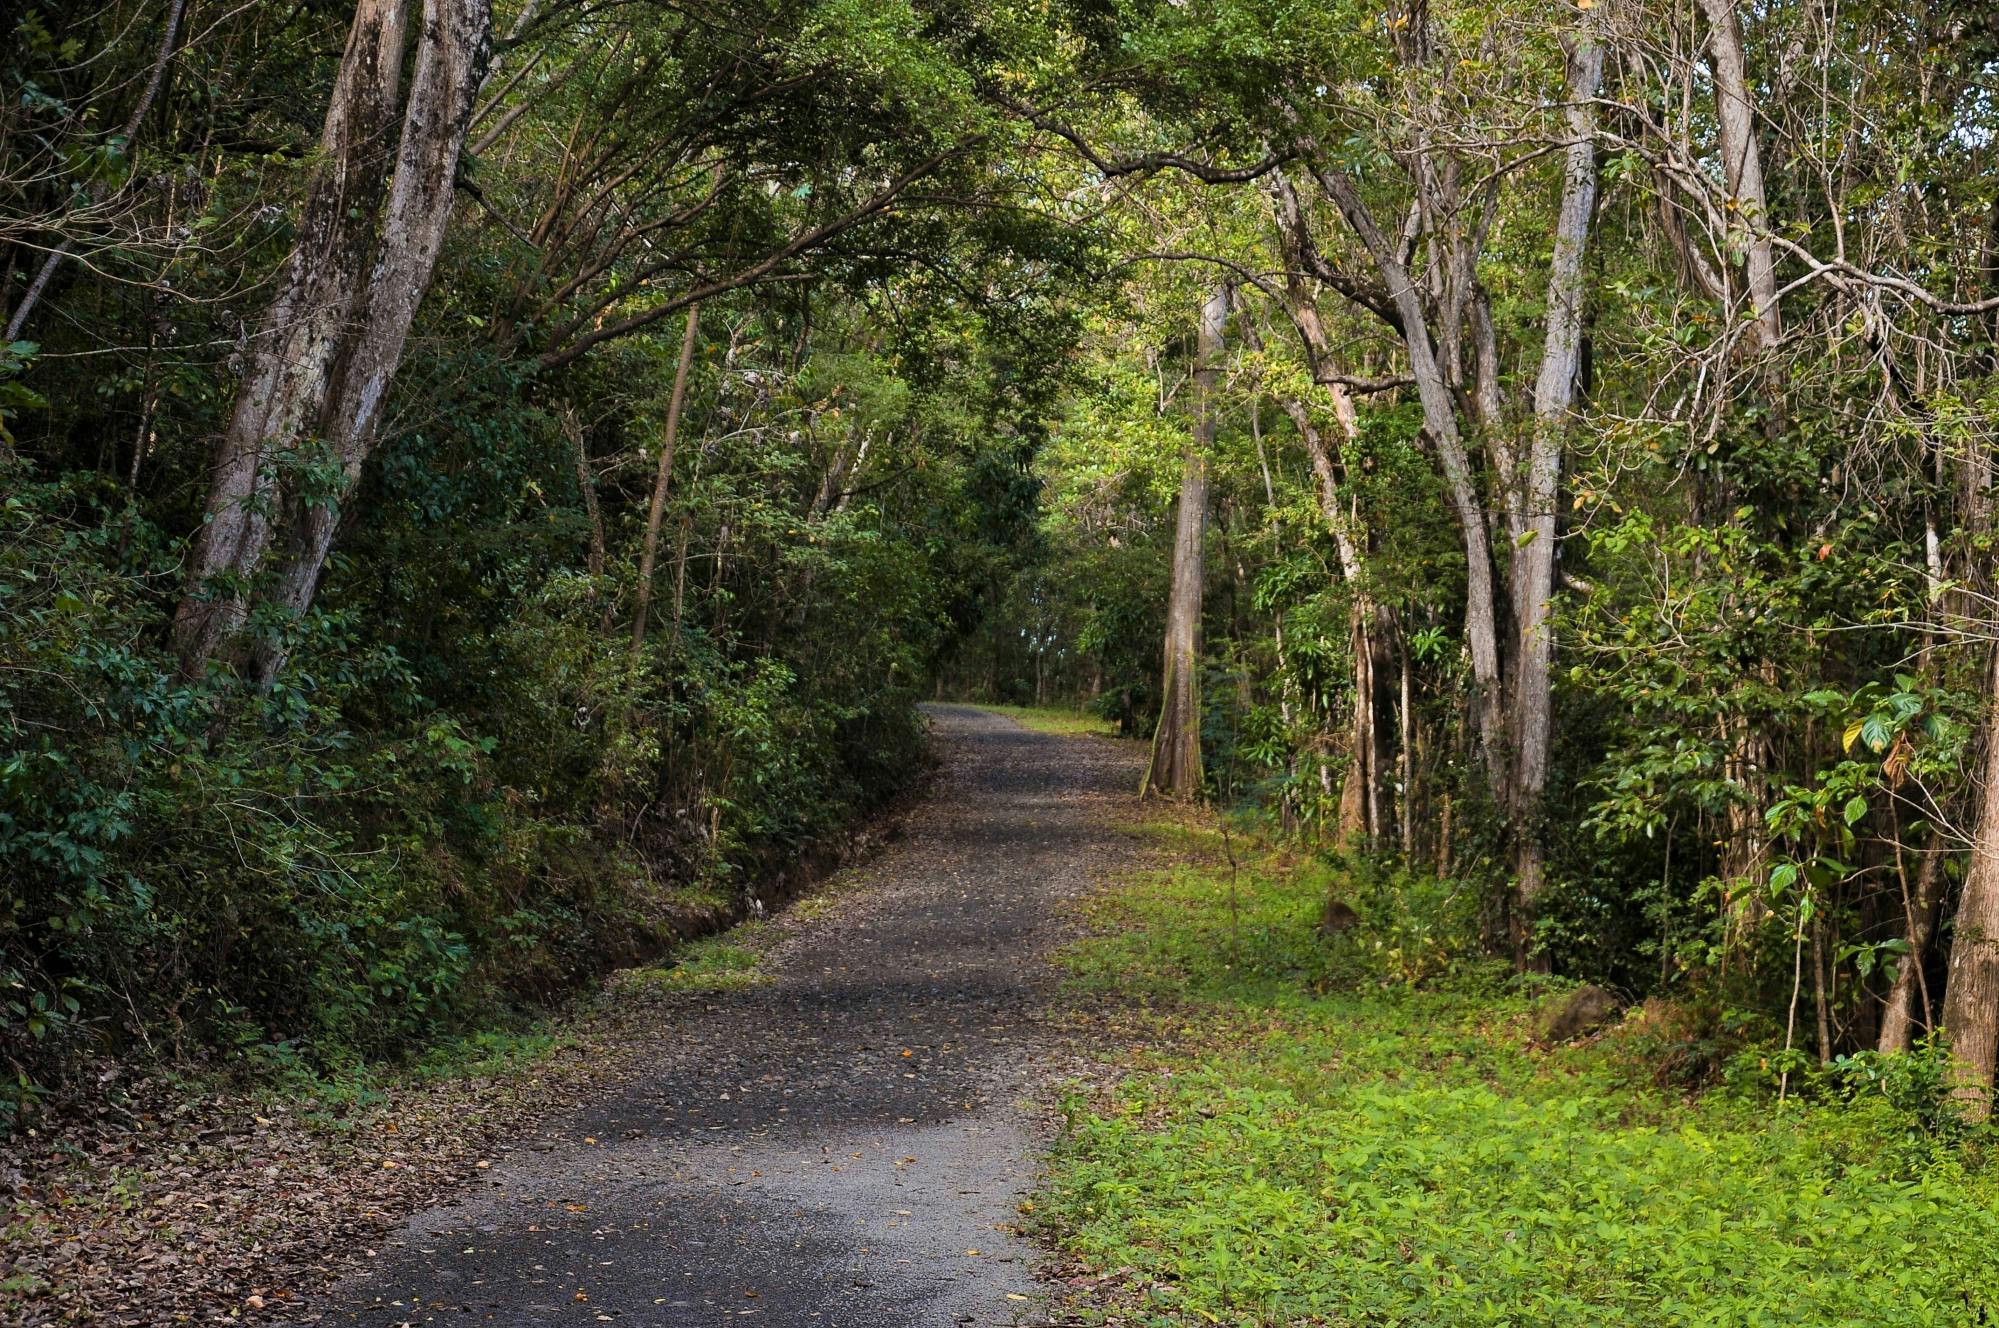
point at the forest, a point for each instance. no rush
(486, 487)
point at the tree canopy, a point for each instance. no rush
(484, 479)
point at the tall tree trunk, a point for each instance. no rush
(1898, 1014)
(1744, 849)
(453, 48)
(1971, 1001)
(1535, 492)
(1742, 164)
(663, 480)
(289, 366)
(1359, 805)
(1175, 768)
(1447, 441)
(1359, 795)
(1971, 996)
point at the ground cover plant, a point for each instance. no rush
(1300, 1134)
(1053, 719)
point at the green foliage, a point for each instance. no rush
(470, 790)
(719, 963)
(1250, 931)
(1054, 720)
(1402, 1156)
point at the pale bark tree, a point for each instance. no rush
(1535, 491)
(1742, 166)
(1448, 444)
(1359, 819)
(332, 340)
(452, 51)
(1746, 209)
(1512, 678)
(1971, 1000)
(648, 557)
(288, 366)
(1175, 768)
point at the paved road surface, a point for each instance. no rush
(832, 1147)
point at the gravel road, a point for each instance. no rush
(846, 1144)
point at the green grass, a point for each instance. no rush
(1270, 1155)
(332, 1095)
(1057, 720)
(727, 961)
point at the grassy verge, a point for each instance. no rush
(1054, 719)
(728, 961)
(1268, 1148)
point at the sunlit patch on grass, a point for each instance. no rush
(1056, 720)
(716, 963)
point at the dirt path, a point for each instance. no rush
(845, 1145)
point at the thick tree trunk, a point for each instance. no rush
(452, 51)
(1971, 1001)
(1535, 492)
(289, 366)
(649, 557)
(1742, 164)
(1175, 768)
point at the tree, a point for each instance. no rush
(657, 511)
(1175, 768)
(1534, 496)
(1512, 679)
(314, 382)
(1971, 1001)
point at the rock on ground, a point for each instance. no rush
(1567, 1017)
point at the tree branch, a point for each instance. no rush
(555, 358)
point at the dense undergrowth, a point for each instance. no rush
(471, 793)
(1362, 1131)
(341, 721)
